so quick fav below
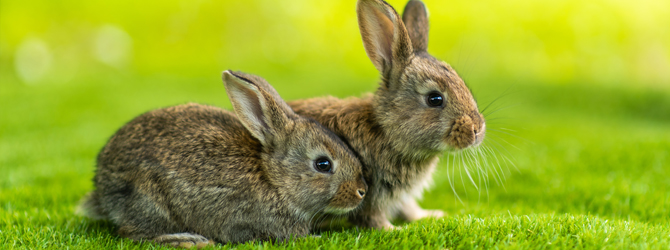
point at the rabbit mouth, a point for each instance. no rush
(349, 195)
(464, 133)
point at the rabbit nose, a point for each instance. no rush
(361, 193)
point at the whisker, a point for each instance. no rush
(508, 129)
(502, 171)
(461, 173)
(485, 159)
(312, 226)
(451, 184)
(451, 181)
(479, 173)
(319, 220)
(497, 166)
(470, 177)
(492, 102)
(503, 129)
(505, 141)
(489, 119)
(482, 153)
(500, 109)
(504, 93)
(337, 218)
(510, 162)
(499, 147)
(482, 174)
(500, 136)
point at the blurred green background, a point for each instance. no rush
(604, 42)
(581, 121)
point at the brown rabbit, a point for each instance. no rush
(421, 109)
(192, 175)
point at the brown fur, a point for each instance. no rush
(395, 133)
(190, 175)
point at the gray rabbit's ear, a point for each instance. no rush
(258, 106)
(415, 18)
(384, 36)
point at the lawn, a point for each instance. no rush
(575, 156)
(589, 169)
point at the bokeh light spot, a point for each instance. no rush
(113, 46)
(32, 60)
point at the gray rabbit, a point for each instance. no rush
(192, 175)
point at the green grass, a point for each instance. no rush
(582, 127)
(591, 169)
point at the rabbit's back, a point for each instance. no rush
(188, 137)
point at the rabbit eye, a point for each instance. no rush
(323, 164)
(434, 100)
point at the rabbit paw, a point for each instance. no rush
(432, 213)
(184, 240)
(411, 211)
(421, 213)
(390, 227)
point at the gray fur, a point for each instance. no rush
(192, 175)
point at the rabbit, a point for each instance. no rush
(196, 175)
(421, 109)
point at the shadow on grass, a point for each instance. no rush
(341, 225)
(97, 228)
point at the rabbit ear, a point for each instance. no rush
(415, 18)
(384, 36)
(258, 106)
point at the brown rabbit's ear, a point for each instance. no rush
(258, 105)
(384, 36)
(415, 18)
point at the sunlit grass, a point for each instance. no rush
(576, 97)
(575, 173)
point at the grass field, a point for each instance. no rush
(591, 169)
(577, 154)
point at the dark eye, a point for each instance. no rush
(434, 100)
(323, 164)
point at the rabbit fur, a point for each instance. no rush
(399, 132)
(192, 175)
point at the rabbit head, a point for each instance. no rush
(307, 163)
(421, 100)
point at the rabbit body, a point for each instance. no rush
(192, 175)
(421, 109)
(394, 177)
(176, 185)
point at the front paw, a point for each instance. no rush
(433, 213)
(184, 240)
(388, 226)
(418, 213)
